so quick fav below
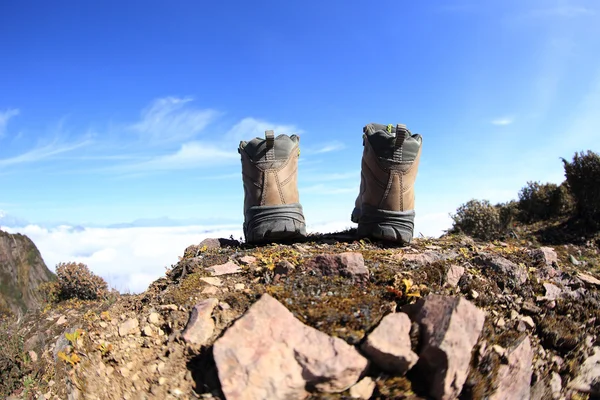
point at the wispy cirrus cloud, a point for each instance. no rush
(502, 121)
(566, 11)
(5, 116)
(171, 119)
(190, 155)
(249, 128)
(44, 152)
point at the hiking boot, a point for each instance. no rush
(272, 210)
(385, 205)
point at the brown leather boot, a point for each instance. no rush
(272, 210)
(385, 205)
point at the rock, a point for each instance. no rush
(529, 308)
(347, 264)
(363, 389)
(500, 322)
(269, 354)
(224, 269)
(148, 331)
(154, 318)
(546, 255)
(555, 385)
(33, 356)
(455, 272)
(200, 326)
(573, 260)
(212, 243)
(168, 307)
(210, 290)
(514, 379)
(62, 320)
(528, 321)
(553, 292)
(129, 327)
(425, 258)
(450, 327)
(239, 286)
(588, 378)
(590, 280)
(503, 266)
(213, 281)
(283, 267)
(247, 260)
(389, 347)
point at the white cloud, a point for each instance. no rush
(190, 155)
(129, 259)
(249, 128)
(5, 116)
(503, 121)
(43, 152)
(170, 119)
(329, 147)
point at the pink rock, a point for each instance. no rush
(450, 327)
(590, 280)
(514, 379)
(388, 346)
(224, 269)
(503, 266)
(200, 326)
(269, 354)
(455, 272)
(546, 255)
(247, 260)
(428, 257)
(348, 264)
(588, 376)
(283, 268)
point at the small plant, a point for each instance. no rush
(75, 280)
(477, 218)
(13, 365)
(583, 180)
(105, 348)
(71, 359)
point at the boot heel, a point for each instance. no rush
(393, 226)
(274, 223)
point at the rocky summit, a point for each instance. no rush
(22, 271)
(333, 318)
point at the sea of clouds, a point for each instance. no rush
(130, 258)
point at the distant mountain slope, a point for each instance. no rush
(22, 270)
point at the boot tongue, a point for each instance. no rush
(393, 142)
(282, 145)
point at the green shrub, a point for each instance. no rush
(478, 219)
(583, 180)
(508, 213)
(540, 202)
(75, 280)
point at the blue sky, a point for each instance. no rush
(114, 111)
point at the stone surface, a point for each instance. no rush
(553, 292)
(154, 318)
(427, 257)
(212, 243)
(62, 320)
(224, 269)
(514, 379)
(455, 272)
(503, 266)
(129, 327)
(450, 327)
(388, 346)
(200, 325)
(363, 389)
(555, 385)
(348, 264)
(588, 377)
(573, 260)
(247, 260)
(211, 280)
(546, 255)
(210, 290)
(283, 267)
(590, 280)
(269, 354)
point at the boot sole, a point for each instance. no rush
(266, 224)
(393, 226)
